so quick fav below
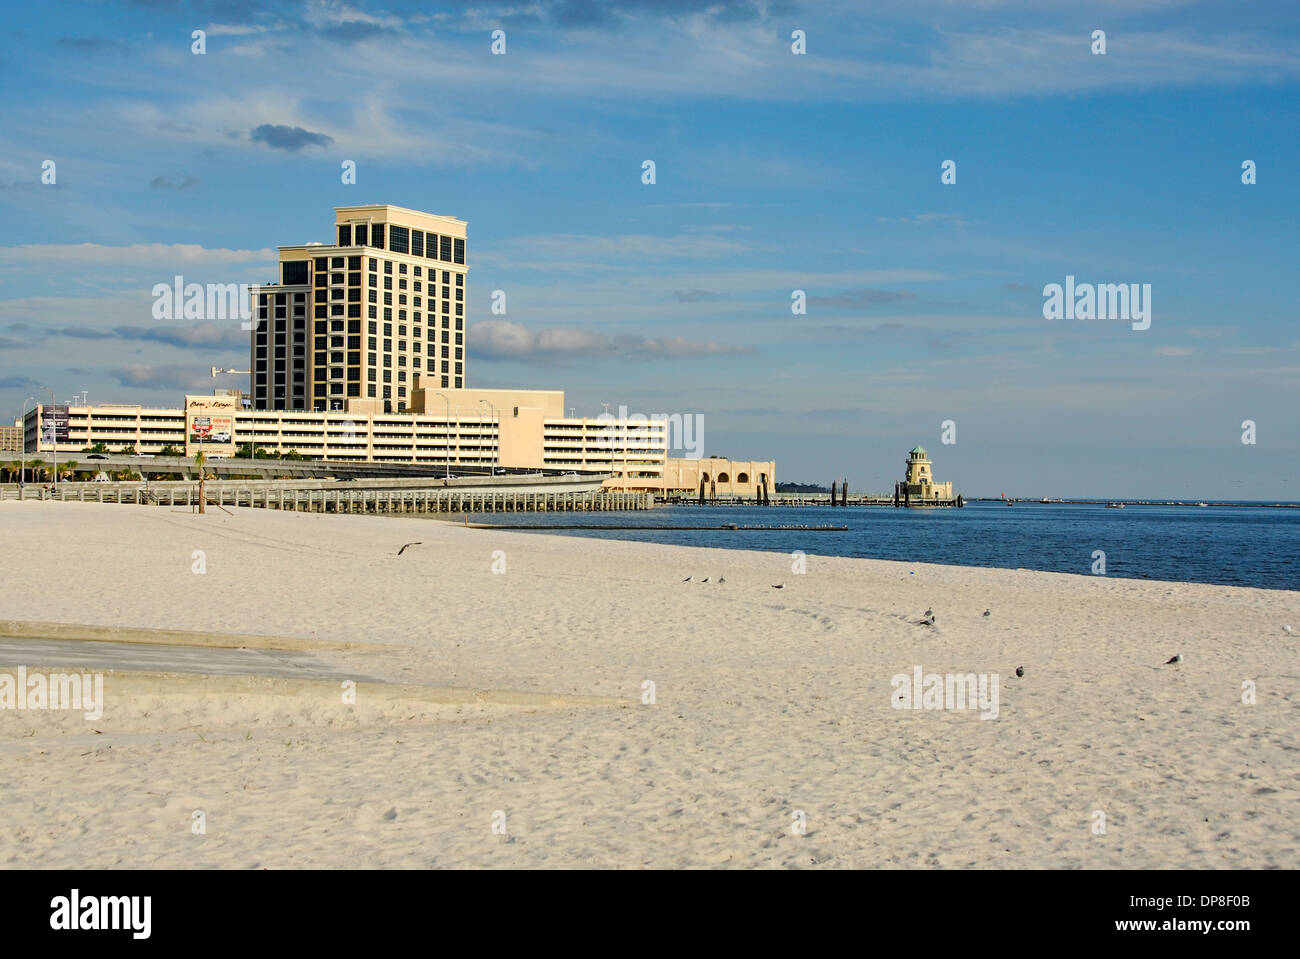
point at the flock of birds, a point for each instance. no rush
(929, 620)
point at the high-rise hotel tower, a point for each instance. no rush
(359, 324)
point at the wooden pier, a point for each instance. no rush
(838, 499)
(344, 500)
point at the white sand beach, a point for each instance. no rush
(768, 703)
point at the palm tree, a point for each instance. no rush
(37, 468)
(13, 468)
(199, 461)
(68, 469)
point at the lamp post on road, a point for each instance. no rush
(448, 415)
(54, 433)
(496, 446)
(22, 457)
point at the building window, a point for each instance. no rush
(431, 249)
(444, 249)
(377, 236)
(362, 234)
(399, 239)
(460, 251)
(345, 235)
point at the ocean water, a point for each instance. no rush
(1231, 545)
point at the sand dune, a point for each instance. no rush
(768, 703)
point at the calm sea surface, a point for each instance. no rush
(1233, 545)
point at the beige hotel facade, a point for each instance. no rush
(515, 429)
(359, 353)
(360, 324)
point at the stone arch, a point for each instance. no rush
(724, 478)
(742, 477)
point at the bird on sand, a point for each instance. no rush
(928, 621)
(705, 579)
(688, 579)
(987, 613)
(1174, 660)
(403, 549)
(1020, 670)
(721, 580)
(778, 585)
(929, 612)
(1286, 629)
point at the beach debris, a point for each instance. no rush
(688, 579)
(778, 585)
(403, 549)
(987, 613)
(1020, 670)
(1174, 660)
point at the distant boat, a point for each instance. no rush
(1114, 506)
(1202, 504)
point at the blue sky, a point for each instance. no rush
(775, 172)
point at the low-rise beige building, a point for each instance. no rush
(448, 429)
(11, 438)
(721, 478)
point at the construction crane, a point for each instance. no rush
(222, 369)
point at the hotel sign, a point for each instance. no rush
(54, 424)
(210, 424)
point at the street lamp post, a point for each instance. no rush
(22, 456)
(496, 446)
(447, 458)
(54, 444)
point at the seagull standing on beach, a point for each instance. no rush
(705, 579)
(778, 586)
(1020, 670)
(721, 580)
(1174, 660)
(688, 579)
(986, 612)
(928, 621)
(403, 549)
